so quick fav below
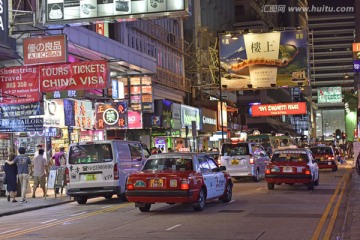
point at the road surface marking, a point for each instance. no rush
(175, 226)
(259, 189)
(77, 214)
(232, 201)
(107, 206)
(13, 230)
(51, 220)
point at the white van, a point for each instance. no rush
(244, 159)
(101, 168)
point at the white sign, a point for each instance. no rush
(329, 95)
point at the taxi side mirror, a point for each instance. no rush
(222, 168)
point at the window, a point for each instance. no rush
(204, 165)
(213, 166)
(135, 151)
(94, 153)
(174, 163)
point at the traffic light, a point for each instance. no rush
(338, 134)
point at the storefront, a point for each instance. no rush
(209, 126)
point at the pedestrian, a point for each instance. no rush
(154, 150)
(40, 166)
(23, 163)
(58, 158)
(11, 172)
(38, 147)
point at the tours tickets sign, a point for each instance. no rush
(20, 85)
(264, 60)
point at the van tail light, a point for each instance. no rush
(184, 184)
(252, 160)
(67, 177)
(116, 172)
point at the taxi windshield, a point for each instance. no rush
(321, 150)
(176, 163)
(289, 157)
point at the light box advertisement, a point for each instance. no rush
(264, 60)
(329, 95)
(267, 110)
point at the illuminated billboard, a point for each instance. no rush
(329, 95)
(264, 60)
(267, 110)
(72, 11)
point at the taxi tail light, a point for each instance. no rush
(129, 185)
(67, 177)
(184, 184)
(116, 172)
(331, 158)
(267, 171)
(307, 171)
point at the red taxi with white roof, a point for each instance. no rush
(290, 166)
(325, 157)
(179, 177)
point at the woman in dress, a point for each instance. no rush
(11, 177)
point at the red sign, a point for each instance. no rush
(74, 76)
(264, 110)
(19, 85)
(356, 47)
(45, 49)
(134, 120)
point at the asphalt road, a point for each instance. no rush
(288, 212)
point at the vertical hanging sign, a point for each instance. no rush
(4, 31)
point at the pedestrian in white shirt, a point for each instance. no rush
(40, 166)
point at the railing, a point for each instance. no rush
(172, 80)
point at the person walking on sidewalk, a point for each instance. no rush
(11, 177)
(23, 163)
(40, 165)
(58, 159)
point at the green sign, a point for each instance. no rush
(329, 95)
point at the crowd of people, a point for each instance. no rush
(19, 167)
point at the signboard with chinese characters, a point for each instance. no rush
(78, 113)
(72, 11)
(74, 76)
(265, 110)
(111, 116)
(65, 94)
(264, 60)
(329, 95)
(20, 110)
(45, 49)
(19, 85)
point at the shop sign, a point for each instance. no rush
(155, 121)
(329, 95)
(222, 115)
(189, 114)
(54, 113)
(78, 113)
(264, 60)
(176, 115)
(21, 125)
(19, 85)
(278, 109)
(47, 132)
(74, 76)
(134, 120)
(111, 116)
(20, 110)
(4, 29)
(65, 94)
(45, 49)
(209, 120)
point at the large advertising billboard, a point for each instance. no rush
(264, 60)
(71, 11)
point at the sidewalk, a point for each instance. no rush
(8, 208)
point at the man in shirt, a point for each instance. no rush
(40, 165)
(23, 162)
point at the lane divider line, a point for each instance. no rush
(9, 231)
(51, 220)
(76, 214)
(171, 228)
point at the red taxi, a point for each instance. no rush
(292, 166)
(178, 178)
(325, 157)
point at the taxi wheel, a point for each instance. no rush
(256, 177)
(271, 186)
(81, 200)
(200, 204)
(108, 196)
(122, 197)
(145, 208)
(228, 193)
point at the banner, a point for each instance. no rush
(265, 110)
(19, 85)
(74, 76)
(264, 60)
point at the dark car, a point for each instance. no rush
(180, 177)
(290, 166)
(325, 157)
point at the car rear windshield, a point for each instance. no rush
(321, 150)
(235, 149)
(94, 153)
(289, 157)
(178, 163)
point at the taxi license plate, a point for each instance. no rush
(287, 169)
(234, 162)
(156, 183)
(90, 177)
(329, 163)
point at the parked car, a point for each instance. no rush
(101, 168)
(244, 159)
(325, 157)
(180, 177)
(292, 166)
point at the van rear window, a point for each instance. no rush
(94, 153)
(235, 149)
